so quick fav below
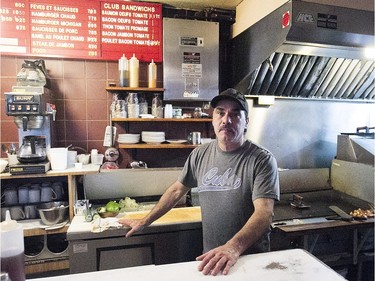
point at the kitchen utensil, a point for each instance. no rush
(34, 194)
(107, 214)
(194, 138)
(23, 194)
(343, 215)
(47, 194)
(32, 150)
(10, 196)
(30, 212)
(32, 73)
(58, 188)
(53, 212)
(17, 213)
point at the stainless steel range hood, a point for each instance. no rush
(322, 56)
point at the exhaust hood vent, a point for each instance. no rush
(303, 76)
(322, 55)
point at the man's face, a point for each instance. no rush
(229, 122)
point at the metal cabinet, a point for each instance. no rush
(115, 251)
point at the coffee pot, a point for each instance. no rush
(33, 73)
(32, 150)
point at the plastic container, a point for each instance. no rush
(152, 73)
(123, 71)
(58, 157)
(97, 159)
(12, 249)
(133, 72)
(168, 111)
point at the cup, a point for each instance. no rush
(72, 158)
(194, 138)
(58, 188)
(58, 157)
(97, 159)
(10, 196)
(168, 111)
(34, 194)
(3, 212)
(47, 194)
(17, 213)
(31, 212)
(23, 194)
(12, 159)
(83, 158)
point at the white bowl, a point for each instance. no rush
(3, 164)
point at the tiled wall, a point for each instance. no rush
(82, 104)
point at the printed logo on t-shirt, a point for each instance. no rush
(213, 181)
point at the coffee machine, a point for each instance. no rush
(34, 113)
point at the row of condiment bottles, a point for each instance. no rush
(129, 72)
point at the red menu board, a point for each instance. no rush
(89, 29)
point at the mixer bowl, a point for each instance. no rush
(53, 212)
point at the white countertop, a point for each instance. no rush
(295, 264)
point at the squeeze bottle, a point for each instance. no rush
(12, 249)
(133, 72)
(123, 71)
(152, 75)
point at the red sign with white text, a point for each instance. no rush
(89, 29)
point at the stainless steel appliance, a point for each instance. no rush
(322, 56)
(33, 111)
(191, 59)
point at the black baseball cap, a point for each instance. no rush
(231, 94)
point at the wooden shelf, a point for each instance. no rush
(139, 89)
(155, 146)
(201, 120)
(41, 231)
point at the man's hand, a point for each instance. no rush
(220, 259)
(135, 225)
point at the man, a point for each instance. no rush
(237, 183)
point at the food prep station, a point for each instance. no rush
(303, 218)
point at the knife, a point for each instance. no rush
(343, 215)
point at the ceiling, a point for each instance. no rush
(200, 4)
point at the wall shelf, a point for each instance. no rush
(139, 89)
(155, 146)
(201, 120)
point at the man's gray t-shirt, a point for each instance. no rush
(227, 183)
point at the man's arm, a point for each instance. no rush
(224, 257)
(167, 201)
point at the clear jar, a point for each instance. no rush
(143, 106)
(133, 105)
(157, 106)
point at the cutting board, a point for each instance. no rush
(176, 215)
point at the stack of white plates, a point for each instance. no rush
(129, 138)
(153, 137)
